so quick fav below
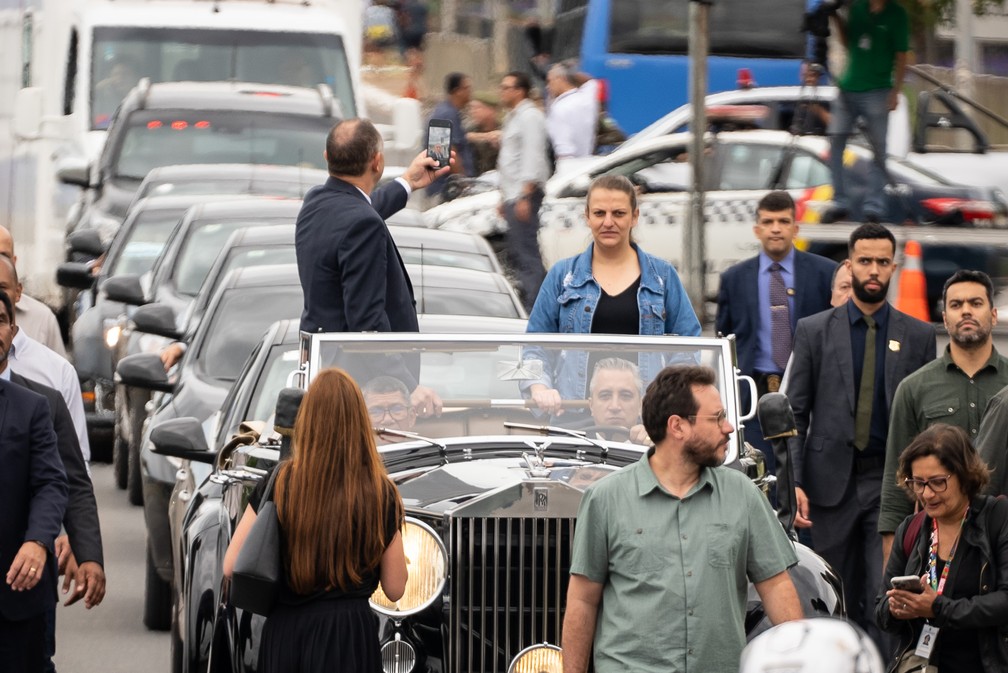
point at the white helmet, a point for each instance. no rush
(817, 645)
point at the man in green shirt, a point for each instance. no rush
(664, 549)
(877, 36)
(954, 389)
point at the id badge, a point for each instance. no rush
(926, 642)
(864, 43)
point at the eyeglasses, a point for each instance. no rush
(397, 412)
(719, 418)
(936, 484)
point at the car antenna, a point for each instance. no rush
(405, 434)
(423, 288)
(601, 445)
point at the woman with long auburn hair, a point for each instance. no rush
(340, 516)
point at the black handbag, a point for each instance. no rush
(255, 579)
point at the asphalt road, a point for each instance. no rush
(111, 637)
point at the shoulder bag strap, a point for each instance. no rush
(912, 531)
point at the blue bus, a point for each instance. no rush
(639, 49)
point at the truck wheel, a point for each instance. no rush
(157, 598)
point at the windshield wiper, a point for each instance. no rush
(600, 444)
(442, 448)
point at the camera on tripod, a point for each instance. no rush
(816, 24)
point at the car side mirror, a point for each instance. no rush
(156, 319)
(76, 275)
(777, 421)
(74, 170)
(125, 288)
(86, 242)
(144, 370)
(182, 438)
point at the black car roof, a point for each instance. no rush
(270, 275)
(256, 207)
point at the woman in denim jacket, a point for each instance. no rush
(613, 287)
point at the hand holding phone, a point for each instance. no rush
(909, 583)
(439, 141)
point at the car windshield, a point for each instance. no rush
(461, 301)
(146, 239)
(125, 54)
(244, 185)
(239, 322)
(282, 360)
(201, 247)
(452, 258)
(485, 381)
(155, 138)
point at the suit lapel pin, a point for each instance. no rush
(894, 345)
(790, 291)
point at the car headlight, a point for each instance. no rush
(427, 562)
(113, 330)
(543, 658)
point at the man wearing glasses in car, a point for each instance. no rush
(388, 405)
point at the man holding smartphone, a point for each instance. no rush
(458, 89)
(351, 273)
(524, 168)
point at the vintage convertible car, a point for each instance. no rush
(491, 489)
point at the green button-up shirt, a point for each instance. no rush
(675, 571)
(938, 392)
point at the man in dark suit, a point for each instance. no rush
(846, 365)
(33, 495)
(351, 273)
(762, 320)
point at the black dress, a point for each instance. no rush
(326, 630)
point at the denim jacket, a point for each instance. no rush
(566, 305)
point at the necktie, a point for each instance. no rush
(780, 319)
(866, 393)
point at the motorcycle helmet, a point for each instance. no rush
(817, 645)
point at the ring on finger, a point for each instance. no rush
(31, 570)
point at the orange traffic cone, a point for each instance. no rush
(912, 298)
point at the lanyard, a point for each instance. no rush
(939, 584)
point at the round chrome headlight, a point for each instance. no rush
(543, 658)
(427, 562)
(397, 656)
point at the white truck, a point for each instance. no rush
(65, 65)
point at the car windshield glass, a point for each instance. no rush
(239, 258)
(486, 380)
(461, 301)
(282, 361)
(239, 322)
(201, 247)
(125, 54)
(737, 28)
(453, 258)
(155, 138)
(244, 185)
(146, 239)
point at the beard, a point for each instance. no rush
(703, 453)
(974, 339)
(867, 296)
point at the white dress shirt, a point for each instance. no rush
(39, 322)
(34, 361)
(571, 124)
(522, 158)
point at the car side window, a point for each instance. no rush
(806, 171)
(749, 166)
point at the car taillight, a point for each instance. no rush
(972, 211)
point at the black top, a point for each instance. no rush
(617, 314)
(369, 580)
(959, 650)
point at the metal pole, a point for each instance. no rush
(693, 244)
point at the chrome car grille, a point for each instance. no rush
(508, 585)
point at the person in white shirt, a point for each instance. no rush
(34, 361)
(32, 316)
(571, 117)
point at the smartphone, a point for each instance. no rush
(439, 141)
(909, 583)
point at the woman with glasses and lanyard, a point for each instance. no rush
(955, 615)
